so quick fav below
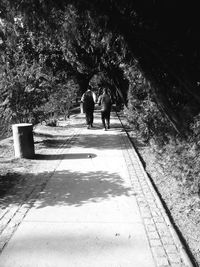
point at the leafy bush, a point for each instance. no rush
(142, 110)
(177, 156)
(24, 89)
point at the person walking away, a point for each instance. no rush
(105, 102)
(88, 99)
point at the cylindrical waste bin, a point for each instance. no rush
(23, 140)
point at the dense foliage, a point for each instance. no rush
(31, 71)
(40, 61)
(165, 43)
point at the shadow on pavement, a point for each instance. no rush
(57, 131)
(52, 142)
(67, 188)
(74, 188)
(99, 141)
(8, 182)
(64, 156)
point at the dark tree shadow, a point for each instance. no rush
(8, 181)
(66, 188)
(64, 156)
(99, 141)
(76, 188)
(52, 142)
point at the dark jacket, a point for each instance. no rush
(88, 100)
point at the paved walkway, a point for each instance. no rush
(91, 206)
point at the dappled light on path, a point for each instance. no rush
(74, 188)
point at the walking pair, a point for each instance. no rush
(89, 99)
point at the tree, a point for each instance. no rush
(32, 65)
(60, 101)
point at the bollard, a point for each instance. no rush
(23, 140)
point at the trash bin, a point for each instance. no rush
(23, 140)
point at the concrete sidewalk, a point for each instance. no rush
(97, 209)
